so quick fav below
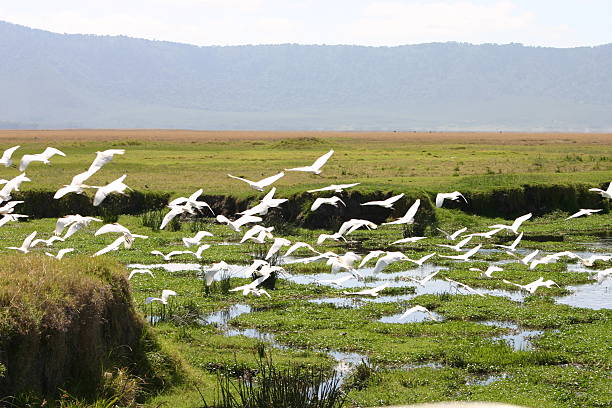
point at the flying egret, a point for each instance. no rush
(389, 258)
(316, 258)
(6, 218)
(6, 156)
(607, 193)
(261, 184)
(276, 246)
(113, 246)
(590, 261)
(374, 292)
(371, 255)
(48, 242)
(487, 234)
(407, 240)
(250, 287)
(458, 246)
(118, 228)
(211, 271)
(116, 186)
(603, 275)
(336, 237)
(454, 196)
(417, 308)
(533, 286)
(26, 245)
(235, 225)
(525, 260)
(581, 212)
(74, 223)
(196, 239)
(254, 267)
(454, 235)
(316, 166)
(408, 218)
(265, 204)
(465, 256)
(335, 201)
(170, 254)
(103, 158)
(44, 157)
(422, 259)
(9, 207)
(426, 279)
(191, 204)
(338, 188)
(336, 282)
(511, 247)
(165, 296)
(60, 254)
(488, 273)
(77, 185)
(466, 287)
(12, 185)
(515, 225)
(388, 203)
(353, 224)
(257, 230)
(299, 245)
(345, 262)
(140, 272)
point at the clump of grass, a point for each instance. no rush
(270, 386)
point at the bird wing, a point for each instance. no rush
(26, 159)
(174, 211)
(517, 223)
(201, 234)
(413, 209)
(317, 203)
(64, 251)
(28, 241)
(242, 179)
(321, 161)
(52, 151)
(63, 222)
(463, 242)
(8, 153)
(530, 256)
(472, 251)
(118, 228)
(440, 199)
(428, 277)
(456, 234)
(269, 180)
(103, 158)
(247, 219)
(112, 247)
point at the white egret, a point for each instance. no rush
(77, 185)
(515, 225)
(581, 212)
(6, 156)
(198, 252)
(336, 282)
(374, 292)
(454, 235)
(165, 296)
(511, 247)
(603, 275)
(345, 262)
(116, 186)
(407, 240)
(254, 267)
(276, 246)
(74, 223)
(235, 225)
(590, 261)
(371, 255)
(533, 286)
(525, 260)
(299, 245)
(191, 204)
(118, 228)
(336, 237)
(6, 218)
(316, 166)
(417, 308)
(388, 203)
(458, 246)
(113, 246)
(26, 245)
(261, 184)
(422, 259)
(486, 235)
(12, 185)
(454, 196)
(140, 272)
(259, 231)
(60, 254)
(170, 254)
(488, 273)
(48, 242)
(466, 287)
(9, 207)
(210, 272)
(389, 258)
(353, 224)
(315, 258)
(44, 157)
(196, 239)
(607, 193)
(338, 188)
(103, 158)
(426, 279)
(250, 287)
(465, 256)
(335, 201)
(408, 218)
(265, 204)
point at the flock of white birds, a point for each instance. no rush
(260, 270)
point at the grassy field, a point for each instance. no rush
(184, 161)
(453, 359)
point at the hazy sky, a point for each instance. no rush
(558, 23)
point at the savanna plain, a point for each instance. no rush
(549, 348)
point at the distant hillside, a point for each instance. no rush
(55, 80)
